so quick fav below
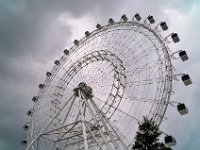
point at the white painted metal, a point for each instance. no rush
(128, 66)
(49, 123)
(82, 106)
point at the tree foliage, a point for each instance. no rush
(147, 137)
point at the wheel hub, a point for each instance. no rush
(84, 89)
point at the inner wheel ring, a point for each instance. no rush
(117, 90)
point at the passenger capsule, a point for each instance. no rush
(48, 74)
(66, 52)
(175, 37)
(25, 127)
(98, 26)
(57, 62)
(138, 17)
(111, 21)
(182, 109)
(183, 55)
(164, 26)
(76, 42)
(29, 113)
(35, 98)
(170, 141)
(124, 18)
(87, 33)
(186, 79)
(41, 86)
(151, 19)
(24, 142)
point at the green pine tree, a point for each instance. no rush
(147, 137)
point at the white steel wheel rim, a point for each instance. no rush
(140, 58)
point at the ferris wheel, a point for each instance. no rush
(102, 86)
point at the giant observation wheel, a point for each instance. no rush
(102, 86)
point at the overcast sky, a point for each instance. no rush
(33, 33)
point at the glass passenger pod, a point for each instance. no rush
(111, 21)
(24, 142)
(35, 98)
(164, 26)
(151, 19)
(98, 26)
(124, 18)
(29, 112)
(41, 86)
(186, 79)
(25, 127)
(66, 52)
(48, 74)
(57, 62)
(138, 17)
(170, 141)
(76, 42)
(87, 33)
(175, 37)
(183, 55)
(182, 109)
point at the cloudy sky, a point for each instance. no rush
(33, 33)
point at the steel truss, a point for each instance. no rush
(82, 134)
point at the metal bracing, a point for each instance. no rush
(106, 133)
(103, 119)
(107, 124)
(97, 120)
(96, 140)
(47, 125)
(100, 121)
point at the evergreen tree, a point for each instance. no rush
(147, 137)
